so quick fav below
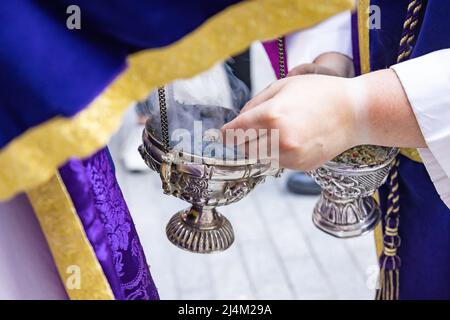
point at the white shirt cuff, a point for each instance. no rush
(426, 81)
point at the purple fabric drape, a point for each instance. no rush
(271, 48)
(355, 44)
(99, 202)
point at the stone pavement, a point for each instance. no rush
(277, 254)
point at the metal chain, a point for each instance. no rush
(164, 118)
(281, 65)
(163, 104)
(281, 57)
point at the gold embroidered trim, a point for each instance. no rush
(378, 232)
(33, 157)
(364, 56)
(71, 250)
(412, 154)
(364, 35)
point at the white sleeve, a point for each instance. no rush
(426, 81)
(332, 35)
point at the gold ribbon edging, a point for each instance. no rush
(32, 158)
(70, 248)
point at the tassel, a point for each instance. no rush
(390, 262)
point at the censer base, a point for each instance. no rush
(200, 230)
(346, 219)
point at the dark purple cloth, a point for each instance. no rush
(99, 202)
(355, 44)
(424, 218)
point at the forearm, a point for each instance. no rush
(383, 112)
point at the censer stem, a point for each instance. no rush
(200, 230)
(346, 218)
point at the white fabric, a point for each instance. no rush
(129, 138)
(210, 87)
(332, 35)
(27, 270)
(261, 71)
(426, 81)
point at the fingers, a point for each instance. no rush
(255, 118)
(311, 68)
(274, 88)
(264, 95)
(249, 147)
(247, 128)
(302, 69)
(260, 148)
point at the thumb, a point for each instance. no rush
(306, 68)
(311, 68)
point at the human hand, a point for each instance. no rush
(328, 63)
(316, 115)
(319, 117)
(312, 68)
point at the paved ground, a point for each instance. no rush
(277, 254)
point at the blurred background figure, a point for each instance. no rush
(304, 49)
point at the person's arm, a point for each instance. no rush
(383, 111)
(426, 81)
(320, 116)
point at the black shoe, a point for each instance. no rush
(301, 183)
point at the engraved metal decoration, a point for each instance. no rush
(206, 183)
(346, 207)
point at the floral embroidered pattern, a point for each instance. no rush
(129, 259)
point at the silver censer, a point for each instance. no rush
(346, 207)
(206, 183)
